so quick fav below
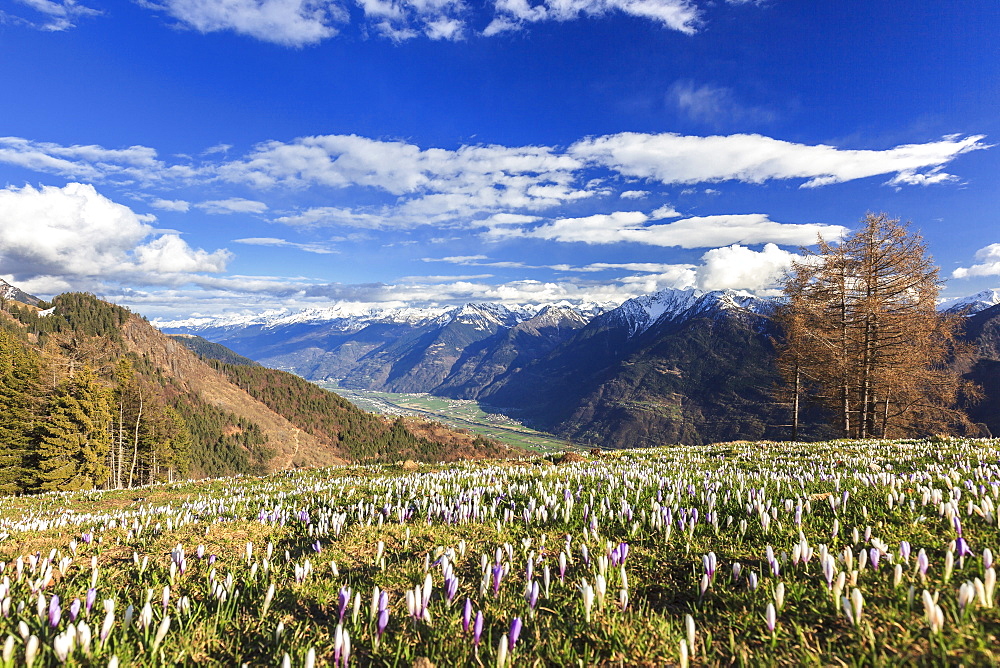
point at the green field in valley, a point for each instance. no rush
(459, 413)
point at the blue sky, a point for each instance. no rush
(207, 156)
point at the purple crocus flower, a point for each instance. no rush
(55, 612)
(533, 592)
(904, 550)
(74, 609)
(922, 562)
(497, 577)
(477, 629)
(382, 621)
(515, 631)
(90, 600)
(345, 597)
(873, 557)
(211, 559)
(962, 547)
(467, 615)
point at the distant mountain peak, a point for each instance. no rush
(972, 304)
(673, 304)
(8, 291)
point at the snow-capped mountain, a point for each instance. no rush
(973, 303)
(641, 313)
(353, 317)
(8, 291)
(405, 349)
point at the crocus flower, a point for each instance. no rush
(477, 629)
(55, 612)
(532, 596)
(922, 562)
(515, 632)
(382, 621)
(467, 615)
(344, 597)
(30, 650)
(74, 609)
(962, 547)
(770, 617)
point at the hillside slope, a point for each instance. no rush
(292, 446)
(171, 413)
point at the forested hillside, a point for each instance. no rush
(91, 395)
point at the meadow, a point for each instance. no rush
(836, 553)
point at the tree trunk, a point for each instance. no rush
(135, 442)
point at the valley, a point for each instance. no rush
(457, 413)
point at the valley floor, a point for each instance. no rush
(457, 413)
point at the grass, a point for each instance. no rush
(254, 570)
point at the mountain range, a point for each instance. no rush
(677, 366)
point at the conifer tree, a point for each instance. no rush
(74, 440)
(19, 378)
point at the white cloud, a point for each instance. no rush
(680, 15)
(677, 159)
(738, 267)
(58, 14)
(634, 194)
(480, 183)
(294, 23)
(89, 162)
(282, 243)
(218, 148)
(400, 20)
(694, 232)
(665, 211)
(434, 185)
(169, 254)
(75, 237)
(500, 25)
(713, 105)
(327, 216)
(232, 205)
(171, 205)
(988, 263)
(646, 267)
